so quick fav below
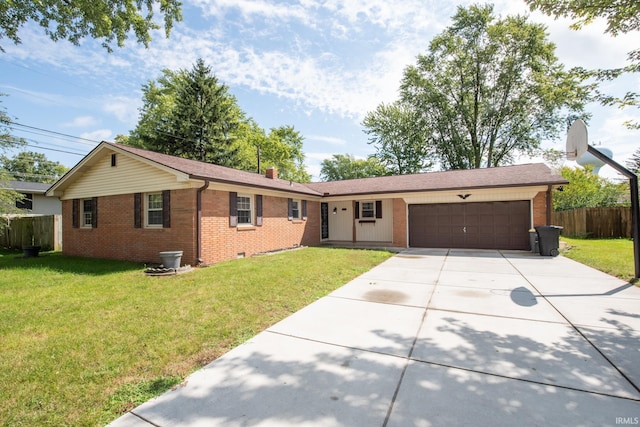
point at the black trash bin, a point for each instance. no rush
(549, 239)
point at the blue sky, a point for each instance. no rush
(318, 65)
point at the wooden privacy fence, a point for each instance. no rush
(600, 223)
(44, 231)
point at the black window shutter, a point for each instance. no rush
(166, 209)
(290, 209)
(94, 212)
(75, 213)
(357, 210)
(259, 210)
(304, 210)
(233, 209)
(378, 208)
(137, 210)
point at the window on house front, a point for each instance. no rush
(368, 210)
(245, 214)
(86, 214)
(153, 210)
(295, 209)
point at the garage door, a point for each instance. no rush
(487, 225)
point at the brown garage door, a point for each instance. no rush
(486, 225)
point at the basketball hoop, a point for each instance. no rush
(577, 140)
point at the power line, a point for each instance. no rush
(55, 133)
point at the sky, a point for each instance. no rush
(316, 65)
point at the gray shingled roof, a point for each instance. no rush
(507, 176)
(201, 170)
(29, 187)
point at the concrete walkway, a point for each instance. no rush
(432, 338)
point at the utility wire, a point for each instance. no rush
(54, 132)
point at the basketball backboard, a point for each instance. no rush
(577, 140)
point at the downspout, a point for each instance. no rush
(549, 204)
(199, 259)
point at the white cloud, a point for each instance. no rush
(97, 135)
(124, 108)
(82, 121)
(327, 139)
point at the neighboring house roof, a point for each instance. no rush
(29, 187)
(508, 176)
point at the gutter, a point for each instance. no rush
(199, 259)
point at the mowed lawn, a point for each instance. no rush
(82, 340)
(613, 256)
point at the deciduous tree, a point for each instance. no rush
(106, 20)
(588, 190)
(33, 167)
(8, 197)
(621, 16)
(401, 146)
(489, 89)
(346, 166)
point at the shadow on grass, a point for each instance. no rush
(56, 261)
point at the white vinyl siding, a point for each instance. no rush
(132, 176)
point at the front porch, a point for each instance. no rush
(387, 246)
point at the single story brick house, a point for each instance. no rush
(126, 203)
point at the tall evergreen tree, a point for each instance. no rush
(204, 118)
(191, 115)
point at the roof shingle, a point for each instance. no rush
(534, 174)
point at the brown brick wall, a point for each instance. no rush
(223, 242)
(399, 223)
(117, 238)
(540, 209)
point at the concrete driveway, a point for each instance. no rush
(432, 338)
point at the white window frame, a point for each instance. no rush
(251, 210)
(148, 208)
(296, 207)
(86, 215)
(372, 210)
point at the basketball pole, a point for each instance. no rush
(635, 209)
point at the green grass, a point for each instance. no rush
(84, 340)
(613, 256)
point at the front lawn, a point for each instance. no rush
(613, 256)
(84, 340)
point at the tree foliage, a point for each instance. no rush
(192, 115)
(633, 164)
(488, 90)
(33, 167)
(104, 20)
(621, 16)
(8, 197)
(188, 113)
(401, 146)
(588, 190)
(346, 166)
(281, 147)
